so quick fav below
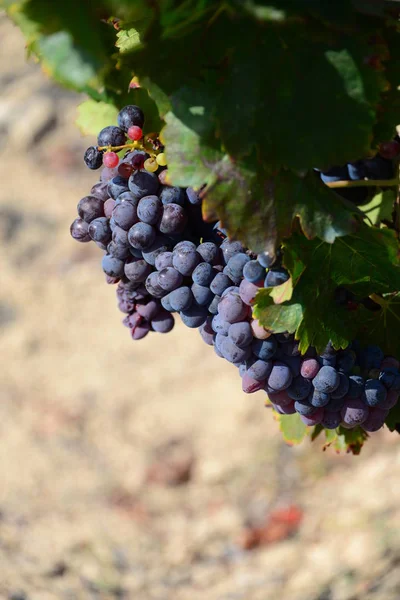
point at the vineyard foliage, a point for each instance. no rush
(250, 97)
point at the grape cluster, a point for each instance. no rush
(166, 260)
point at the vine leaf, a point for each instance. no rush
(248, 199)
(293, 428)
(379, 208)
(93, 116)
(365, 262)
(349, 440)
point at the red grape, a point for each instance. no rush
(135, 133)
(110, 160)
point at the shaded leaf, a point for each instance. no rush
(380, 207)
(93, 116)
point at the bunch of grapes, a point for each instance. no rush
(165, 260)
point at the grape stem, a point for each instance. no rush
(133, 146)
(364, 183)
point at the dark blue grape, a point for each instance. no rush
(346, 361)
(194, 316)
(253, 271)
(267, 259)
(300, 388)
(127, 197)
(181, 298)
(209, 252)
(356, 386)
(213, 307)
(229, 248)
(357, 170)
(80, 231)
(326, 380)
(371, 357)
(260, 370)
(185, 260)
(388, 377)
(130, 115)
(117, 186)
(374, 392)
(112, 266)
(331, 420)
(342, 388)
(163, 260)
(193, 196)
(276, 277)
(99, 230)
(379, 168)
(231, 308)
(119, 251)
(137, 270)
(166, 304)
(93, 158)
(153, 287)
(220, 283)
(303, 407)
(169, 279)
(241, 334)
(202, 294)
(354, 412)
(335, 404)
(163, 322)
(280, 377)
(319, 399)
(172, 195)
(232, 352)
(219, 325)
(111, 136)
(143, 183)
(265, 349)
(158, 247)
(149, 209)
(203, 274)
(236, 264)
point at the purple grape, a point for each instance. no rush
(219, 325)
(93, 158)
(248, 292)
(319, 399)
(163, 260)
(213, 307)
(266, 349)
(236, 264)
(185, 260)
(169, 279)
(391, 400)
(313, 419)
(276, 277)
(163, 322)
(241, 334)
(250, 385)
(119, 251)
(260, 370)
(331, 420)
(125, 215)
(376, 419)
(173, 220)
(100, 190)
(309, 368)
(172, 195)
(354, 412)
(342, 388)
(232, 352)
(80, 231)
(229, 248)
(193, 196)
(206, 332)
(140, 331)
(90, 208)
(279, 398)
(109, 206)
(141, 236)
(127, 197)
(232, 309)
(137, 270)
(159, 246)
(99, 230)
(149, 310)
(356, 386)
(153, 287)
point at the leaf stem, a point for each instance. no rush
(364, 183)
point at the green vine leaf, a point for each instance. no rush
(379, 208)
(293, 428)
(93, 116)
(365, 262)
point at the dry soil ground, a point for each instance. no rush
(140, 470)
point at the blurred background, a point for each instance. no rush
(139, 469)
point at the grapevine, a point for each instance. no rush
(261, 210)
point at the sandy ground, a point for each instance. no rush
(139, 469)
